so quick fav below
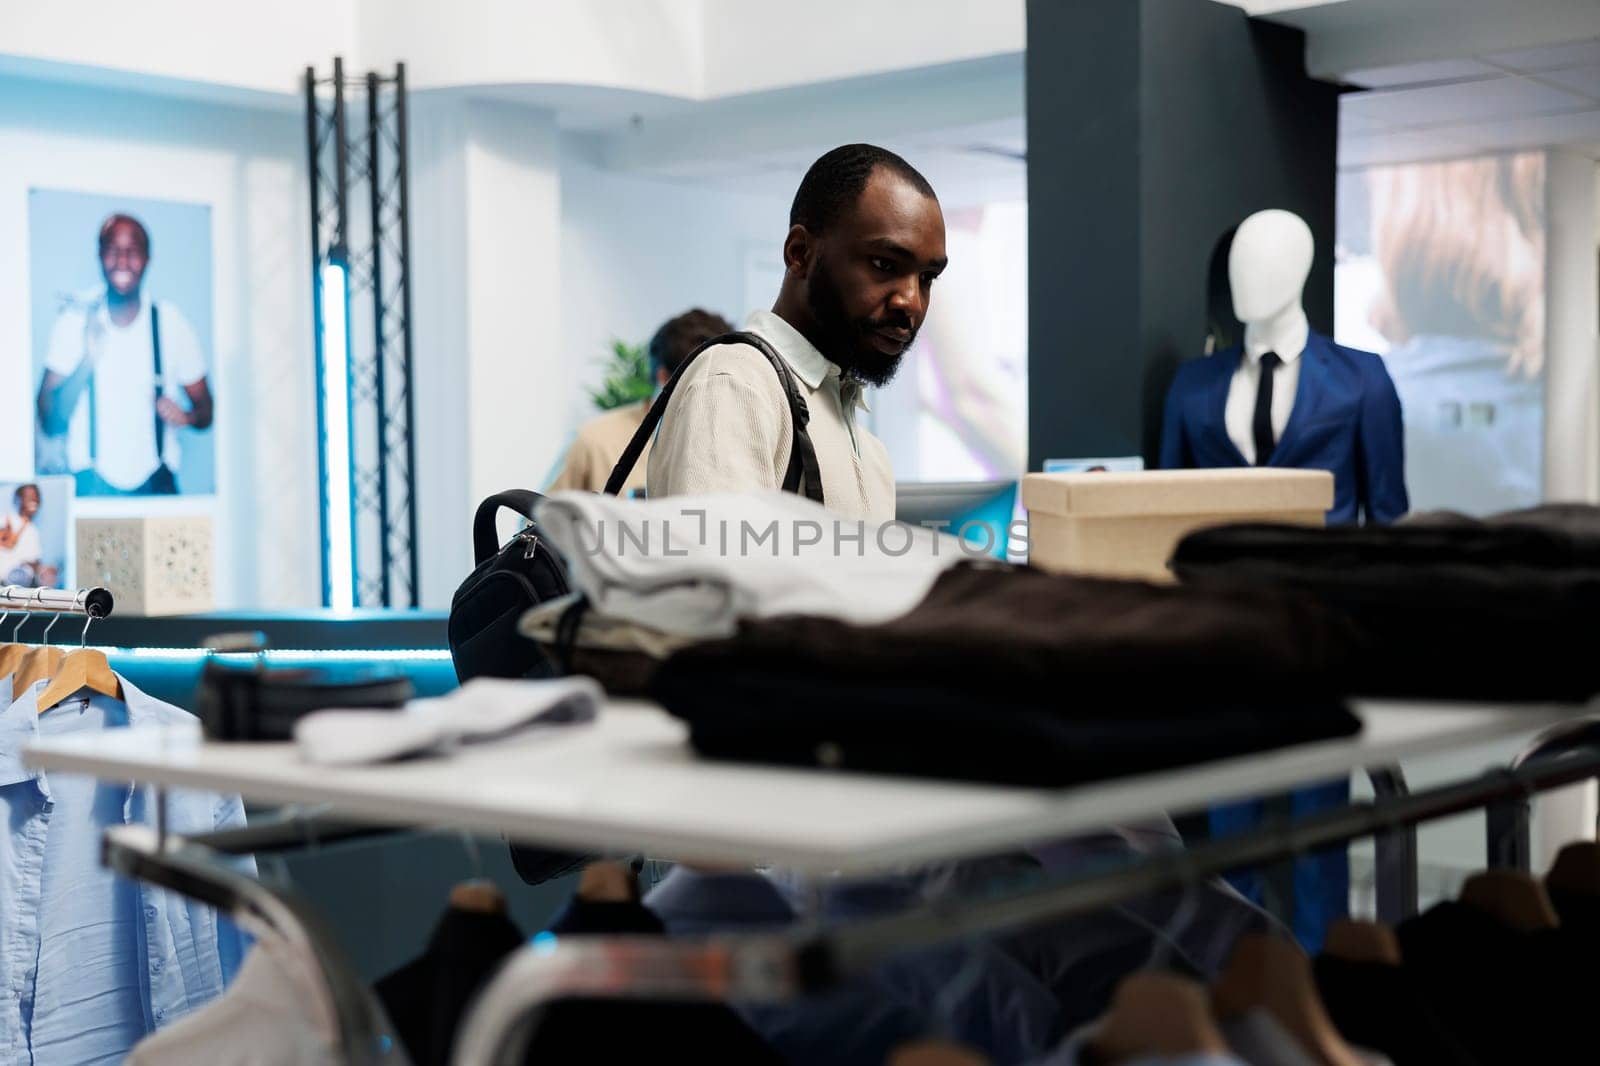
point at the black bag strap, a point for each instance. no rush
(485, 539)
(803, 473)
(155, 352)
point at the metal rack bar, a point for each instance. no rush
(1395, 852)
(198, 873)
(1507, 823)
(767, 968)
(94, 602)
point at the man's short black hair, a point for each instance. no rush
(834, 183)
(118, 219)
(682, 335)
(17, 495)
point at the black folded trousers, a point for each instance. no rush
(1448, 607)
(1014, 676)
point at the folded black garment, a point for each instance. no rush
(1020, 677)
(1451, 607)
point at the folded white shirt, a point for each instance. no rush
(484, 709)
(695, 565)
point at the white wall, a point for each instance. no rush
(493, 384)
(637, 251)
(1572, 318)
(247, 164)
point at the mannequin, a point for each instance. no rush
(1321, 406)
(1267, 269)
(1290, 397)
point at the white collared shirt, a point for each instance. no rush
(1240, 413)
(728, 428)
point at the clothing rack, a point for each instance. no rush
(778, 967)
(201, 873)
(94, 602)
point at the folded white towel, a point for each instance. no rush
(695, 565)
(484, 709)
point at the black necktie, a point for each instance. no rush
(1262, 425)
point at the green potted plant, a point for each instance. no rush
(628, 377)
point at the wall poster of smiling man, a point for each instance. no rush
(122, 383)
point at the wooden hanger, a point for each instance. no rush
(935, 1053)
(1576, 871)
(1355, 941)
(11, 654)
(1156, 1015)
(478, 897)
(1512, 898)
(80, 669)
(1273, 974)
(36, 665)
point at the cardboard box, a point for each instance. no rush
(152, 565)
(1127, 524)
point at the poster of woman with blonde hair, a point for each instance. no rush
(1442, 270)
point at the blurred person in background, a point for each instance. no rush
(21, 555)
(601, 440)
(1461, 248)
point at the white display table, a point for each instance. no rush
(630, 783)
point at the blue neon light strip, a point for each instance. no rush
(431, 655)
(339, 520)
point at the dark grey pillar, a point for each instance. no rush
(1154, 127)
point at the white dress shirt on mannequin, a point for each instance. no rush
(1241, 410)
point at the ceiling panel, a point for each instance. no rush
(1499, 98)
(1404, 146)
(1358, 125)
(1419, 73)
(1585, 80)
(1550, 57)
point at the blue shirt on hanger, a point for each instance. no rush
(90, 964)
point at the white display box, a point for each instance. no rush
(152, 565)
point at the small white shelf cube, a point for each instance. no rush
(152, 565)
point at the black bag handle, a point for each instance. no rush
(803, 472)
(485, 539)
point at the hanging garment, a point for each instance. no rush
(90, 964)
(974, 991)
(695, 565)
(1310, 892)
(275, 1013)
(1449, 607)
(1075, 1051)
(601, 1030)
(483, 710)
(1377, 1005)
(428, 997)
(1021, 677)
(1509, 996)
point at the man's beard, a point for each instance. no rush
(848, 340)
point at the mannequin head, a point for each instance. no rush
(1268, 264)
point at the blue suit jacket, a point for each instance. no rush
(1346, 420)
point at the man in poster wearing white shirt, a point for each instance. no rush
(122, 375)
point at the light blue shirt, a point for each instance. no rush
(89, 965)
